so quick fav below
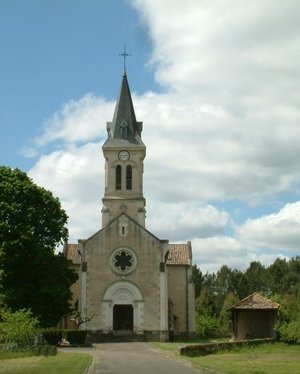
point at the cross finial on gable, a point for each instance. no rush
(124, 55)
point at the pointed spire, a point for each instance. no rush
(124, 124)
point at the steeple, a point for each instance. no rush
(124, 126)
(124, 153)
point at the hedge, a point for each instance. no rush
(75, 337)
(52, 336)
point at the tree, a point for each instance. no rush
(81, 318)
(205, 303)
(32, 225)
(255, 277)
(294, 272)
(277, 273)
(198, 279)
(288, 325)
(224, 283)
(207, 324)
(283, 275)
(225, 313)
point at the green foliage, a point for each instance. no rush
(284, 276)
(198, 279)
(289, 332)
(288, 326)
(255, 277)
(19, 327)
(28, 214)
(219, 291)
(205, 303)
(207, 326)
(225, 314)
(32, 224)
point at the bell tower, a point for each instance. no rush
(124, 153)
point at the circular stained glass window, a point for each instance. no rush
(123, 261)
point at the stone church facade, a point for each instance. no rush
(130, 280)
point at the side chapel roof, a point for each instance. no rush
(255, 301)
(71, 252)
(179, 254)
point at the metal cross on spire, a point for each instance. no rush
(124, 55)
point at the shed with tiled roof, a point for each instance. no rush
(256, 301)
(254, 317)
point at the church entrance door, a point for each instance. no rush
(123, 318)
(123, 307)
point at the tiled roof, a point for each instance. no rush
(179, 254)
(255, 301)
(71, 253)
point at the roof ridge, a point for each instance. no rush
(255, 301)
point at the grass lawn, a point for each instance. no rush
(274, 358)
(62, 363)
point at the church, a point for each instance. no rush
(130, 281)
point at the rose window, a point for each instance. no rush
(123, 261)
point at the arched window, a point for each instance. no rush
(128, 177)
(118, 177)
(124, 129)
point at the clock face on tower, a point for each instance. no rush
(123, 155)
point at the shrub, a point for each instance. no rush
(52, 350)
(289, 332)
(18, 327)
(207, 326)
(37, 350)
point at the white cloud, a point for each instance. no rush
(226, 127)
(76, 176)
(183, 221)
(279, 232)
(211, 253)
(77, 121)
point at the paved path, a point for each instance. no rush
(133, 358)
(136, 358)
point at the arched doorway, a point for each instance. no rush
(123, 318)
(123, 306)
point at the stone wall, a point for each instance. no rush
(210, 348)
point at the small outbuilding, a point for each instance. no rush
(254, 318)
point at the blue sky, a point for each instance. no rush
(54, 51)
(217, 87)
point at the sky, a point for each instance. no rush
(216, 84)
